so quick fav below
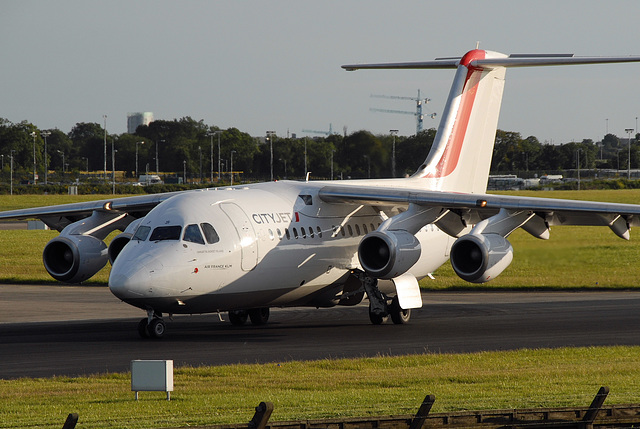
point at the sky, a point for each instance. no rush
(275, 65)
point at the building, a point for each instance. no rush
(134, 120)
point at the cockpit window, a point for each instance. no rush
(210, 233)
(166, 233)
(192, 234)
(141, 233)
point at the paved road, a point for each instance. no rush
(54, 330)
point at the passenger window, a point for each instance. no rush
(192, 234)
(319, 231)
(303, 232)
(166, 233)
(373, 228)
(357, 229)
(270, 234)
(342, 230)
(141, 233)
(295, 233)
(210, 233)
(279, 233)
(311, 232)
(288, 234)
(350, 230)
(364, 226)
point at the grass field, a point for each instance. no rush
(575, 257)
(331, 388)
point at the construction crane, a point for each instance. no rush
(418, 113)
(326, 133)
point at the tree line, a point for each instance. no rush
(184, 147)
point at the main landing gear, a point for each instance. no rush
(258, 316)
(380, 305)
(152, 326)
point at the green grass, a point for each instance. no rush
(331, 388)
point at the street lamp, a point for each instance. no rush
(11, 155)
(157, 167)
(218, 132)
(629, 131)
(45, 134)
(270, 135)
(113, 165)
(393, 153)
(578, 165)
(105, 148)
(232, 152)
(184, 172)
(61, 152)
(200, 152)
(305, 157)
(137, 144)
(33, 134)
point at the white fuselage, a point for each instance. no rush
(275, 244)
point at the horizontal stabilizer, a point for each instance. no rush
(513, 60)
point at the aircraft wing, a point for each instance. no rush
(476, 207)
(59, 216)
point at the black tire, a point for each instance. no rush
(142, 328)
(259, 316)
(398, 315)
(238, 317)
(377, 319)
(157, 328)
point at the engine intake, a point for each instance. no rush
(117, 244)
(388, 254)
(478, 258)
(74, 258)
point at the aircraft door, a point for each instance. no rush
(246, 234)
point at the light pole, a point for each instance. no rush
(184, 172)
(157, 167)
(200, 152)
(332, 151)
(33, 134)
(11, 155)
(137, 144)
(61, 152)
(113, 165)
(305, 158)
(393, 153)
(629, 131)
(211, 160)
(578, 166)
(232, 152)
(45, 134)
(270, 135)
(105, 147)
(218, 132)
(285, 167)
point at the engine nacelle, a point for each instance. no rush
(477, 258)
(117, 244)
(388, 254)
(74, 258)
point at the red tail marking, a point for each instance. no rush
(451, 156)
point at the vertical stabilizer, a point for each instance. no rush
(460, 157)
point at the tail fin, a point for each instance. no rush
(460, 157)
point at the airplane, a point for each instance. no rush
(247, 248)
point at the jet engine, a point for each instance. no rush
(117, 244)
(74, 258)
(477, 258)
(388, 254)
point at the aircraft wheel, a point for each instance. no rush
(399, 316)
(157, 328)
(377, 319)
(142, 328)
(238, 317)
(259, 316)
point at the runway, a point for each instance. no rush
(54, 330)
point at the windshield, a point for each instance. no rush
(141, 233)
(192, 234)
(166, 233)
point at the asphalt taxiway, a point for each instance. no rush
(60, 330)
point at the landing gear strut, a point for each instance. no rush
(258, 316)
(152, 326)
(380, 306)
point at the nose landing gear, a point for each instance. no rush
(152, 326)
